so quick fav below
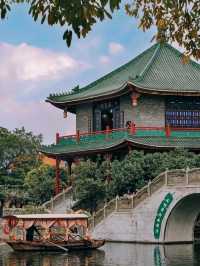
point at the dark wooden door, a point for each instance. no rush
(97, 120)
(116, 118)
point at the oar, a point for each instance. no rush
(56, 245)
(52, 243)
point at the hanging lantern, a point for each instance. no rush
(134, 98)
(65, 113)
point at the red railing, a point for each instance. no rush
(131, 130)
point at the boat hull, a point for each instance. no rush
(19, 245)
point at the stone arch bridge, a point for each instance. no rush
(167, 210)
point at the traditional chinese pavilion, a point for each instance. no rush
(150, 103)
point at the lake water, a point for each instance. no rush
(112, 254)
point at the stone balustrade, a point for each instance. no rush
(176, 178)
(58, 199)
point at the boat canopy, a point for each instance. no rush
(46, 220)
(48, 216)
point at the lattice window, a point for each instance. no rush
(183, 112)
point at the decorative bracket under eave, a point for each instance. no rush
(134, 98)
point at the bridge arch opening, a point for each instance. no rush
(183, 223)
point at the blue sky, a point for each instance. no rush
(35, 62)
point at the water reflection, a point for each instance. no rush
(113, 254)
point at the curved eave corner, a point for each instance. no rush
(73, 102)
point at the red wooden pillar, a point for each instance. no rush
(57, 188)
(107, 132)
(167, 130)
(78, 136)
(57, 181)
(133, 128)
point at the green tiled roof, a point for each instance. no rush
(166, 72)
(159, 68)
(143, 138)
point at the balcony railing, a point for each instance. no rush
(119, 133)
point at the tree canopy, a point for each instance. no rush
(39, 183)
(18, 155)
(89, 186)
(176, 21)
(96, 182)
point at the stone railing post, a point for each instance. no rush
(132, 201)
(93, 221)
(149, 188)
(116, 203)
(52, 204)
(166, 177)
(104, 211)
(63, 194)
(187, 175)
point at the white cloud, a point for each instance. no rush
(115, 48)
(36, 116)
(104, 59)
(24, 62)
(27, 74)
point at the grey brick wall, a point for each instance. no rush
(84, 113)
(150, 110)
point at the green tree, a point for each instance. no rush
(90, 193)
(39, 183)
(156, 163)
(138, 168)
(18, 155)
(128, 174)
(90, 188)
(175, 20)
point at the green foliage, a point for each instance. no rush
(90, 190)
(127, 175)
(18, 155)
(176, 21)
(76, 16)
(178, 159)
(39, 183)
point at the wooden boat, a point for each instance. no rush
(49, 232)
(54, 246)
